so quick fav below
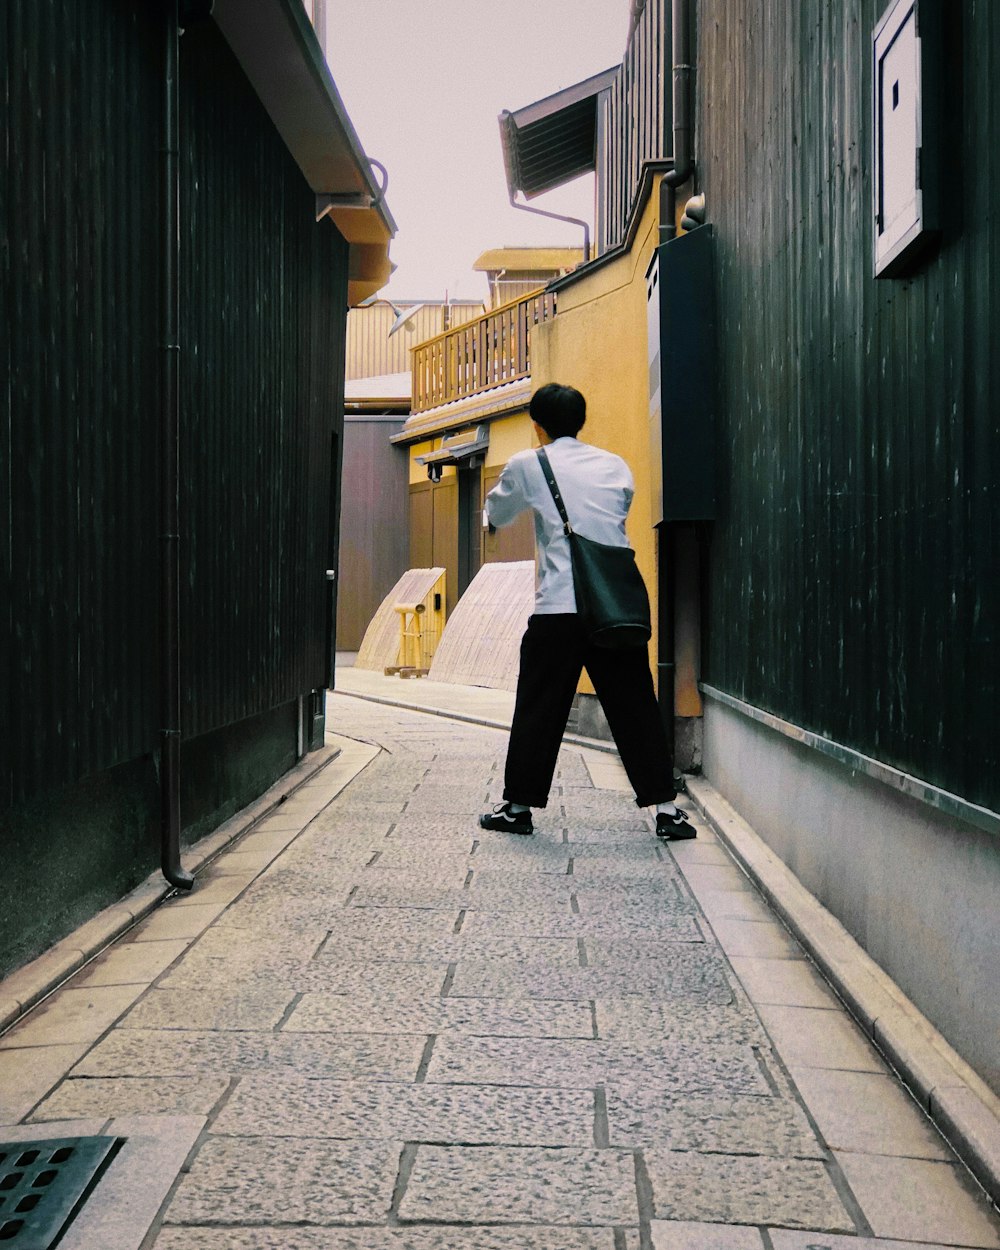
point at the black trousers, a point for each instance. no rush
(554, 651)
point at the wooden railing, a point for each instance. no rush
(479, 355)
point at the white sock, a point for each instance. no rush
(668, 809)
(516, 808)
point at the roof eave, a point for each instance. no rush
(277, 48)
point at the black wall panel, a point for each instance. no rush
(855, 585)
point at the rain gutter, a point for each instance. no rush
(170, 664)
(683, 168)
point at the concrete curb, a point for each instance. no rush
(963, 1107)
(26, 987)
(577, 740)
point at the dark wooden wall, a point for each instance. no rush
(264, 300)
(855, 585)
(374, 544)
(78, 428)
(263, 311)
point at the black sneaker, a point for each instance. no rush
(506, 821)
(675, 828)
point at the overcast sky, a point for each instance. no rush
(424, 83)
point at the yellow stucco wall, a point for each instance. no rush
(507, 436)
(597, 343)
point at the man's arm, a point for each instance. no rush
(506, 501)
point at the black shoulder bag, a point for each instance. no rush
(611, 598)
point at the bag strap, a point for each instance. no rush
(550, 477)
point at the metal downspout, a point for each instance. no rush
(573, 221)
(170, 674)
(680, 53)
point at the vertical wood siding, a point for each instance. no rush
(263, 314)
(78, 432)
(855, 585)
(264, 308)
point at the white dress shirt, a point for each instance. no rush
(597, 489)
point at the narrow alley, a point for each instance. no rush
(372, 1025)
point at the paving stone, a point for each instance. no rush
(443, 872)
(405, 924)
(683, 1235)
(130, 963)
(285, 946)
(400, 1012)
(622, 953)
(612, 905)
(448, 948)
(703, 979)
(148, 1052)
(596, 872)
(912, 1199)
(814, 1038)
(714, 877)
(188, 1095)
(399, 854)
(756, 939)
(782, 1239)
(332, 975)
(650, 1116)
(255, 1008)
(738, 904)
(582, 1063)
(737, 1189)
(636, 1020)
(560, 1186)
(784, 982)
(169, 923)
(471, 1115)
(863, 1111)
(434, 1237)
(291, 914)
(72, 1015)
(254, 1179)
(27, 1076)
(675, 921)
(511, 899)
(430, 829)
(137, 1182)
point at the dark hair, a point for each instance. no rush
(559, 410)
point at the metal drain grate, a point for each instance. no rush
(44, 1183)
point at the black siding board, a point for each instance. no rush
(854, 569)
(264, 296)
(80, 82)
(259, 407)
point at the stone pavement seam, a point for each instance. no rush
(964, 1110)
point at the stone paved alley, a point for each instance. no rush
(373, 1026)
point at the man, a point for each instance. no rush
(597, 490)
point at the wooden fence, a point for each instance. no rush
(479, 355)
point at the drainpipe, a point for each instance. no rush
(683, 168)
(680, 55)
(573, 221)
(170, 674)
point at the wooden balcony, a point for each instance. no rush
(479, 355)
